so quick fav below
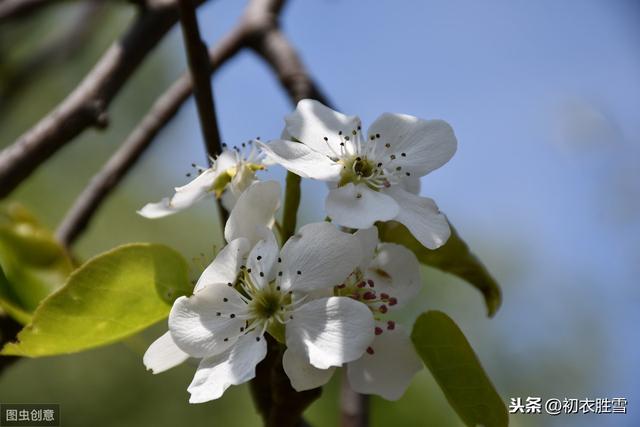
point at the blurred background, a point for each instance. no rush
(544, 97)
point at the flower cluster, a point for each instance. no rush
(328, 294)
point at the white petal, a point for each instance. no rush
(244, 177)
(318, 256)
(330, 331)
(233, 367)
(208, 322)
(422, 217)
(302, 160)
(311, 122)
(163, 354)
(184, 197)
(396, 272)
(302, 374)
(189, 194)
(253, 211)
(389, 370)
(158, 210)
(358, 206)
(228, 200)
(262, 259)
(226, 266)
(368, 239)
(426, 144)
(226, 160)
(411, 184)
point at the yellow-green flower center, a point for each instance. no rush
(356, 169)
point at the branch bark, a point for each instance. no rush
(87, 105)
(200, 72)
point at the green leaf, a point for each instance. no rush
(453, 257)
(454, 365)
(112, 296)
(32, 263)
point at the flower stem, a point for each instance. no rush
(354, 406)
(278, 403)
(291, 204)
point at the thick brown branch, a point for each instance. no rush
(86, 106)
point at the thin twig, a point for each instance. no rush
(200, 71)
(87, 105)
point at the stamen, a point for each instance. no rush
(391, 325)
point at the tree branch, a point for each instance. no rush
(86, 106)
(200, 71)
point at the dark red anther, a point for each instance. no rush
(384, 296)
(378, 330)
(369, 295)
(370, 350)
(361, 285)
(393, 301)
(370, 283)
(383, 308)
(391, 325)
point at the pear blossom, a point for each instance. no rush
(164, 354)
(229, 175)
(255, 288)
(387, 278)
(374, 176)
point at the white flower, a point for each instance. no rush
(387, 278)
(229, 175)
(374, 176)
(252, 289)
